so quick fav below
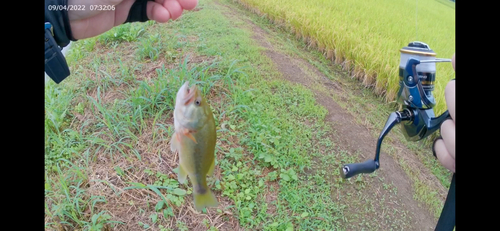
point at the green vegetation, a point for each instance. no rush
(108, 126)
(366, 36)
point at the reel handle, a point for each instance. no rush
(435, 123)
(370, 166)
(350, 170)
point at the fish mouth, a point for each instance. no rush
(189, 98)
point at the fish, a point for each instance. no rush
(194, 139)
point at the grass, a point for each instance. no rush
(108, 161)
(370, 110)
(365, 37)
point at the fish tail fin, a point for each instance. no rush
(202, 200)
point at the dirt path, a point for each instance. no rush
(355, 138)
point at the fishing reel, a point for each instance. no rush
(417, 73)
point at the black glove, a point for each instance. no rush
(137, 12)
(59, 21)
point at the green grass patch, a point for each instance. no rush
(369, 109)
(108, 127)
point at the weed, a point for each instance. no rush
(276, 156)
(149, 48)
(69, 204)
(128, 32)
(181, 226)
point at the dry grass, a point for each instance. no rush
(134, 206)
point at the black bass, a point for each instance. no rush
(194, 139)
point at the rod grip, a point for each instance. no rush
(350, 170)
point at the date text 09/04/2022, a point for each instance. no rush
(80, 7)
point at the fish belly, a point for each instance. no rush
(197, 160)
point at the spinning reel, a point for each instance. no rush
(417, 73)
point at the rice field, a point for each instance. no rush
(366, 36)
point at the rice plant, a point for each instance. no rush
(366, 36)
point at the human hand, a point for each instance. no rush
(91, 21)
(444, 148)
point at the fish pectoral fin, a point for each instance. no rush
(174, 142)
(181, 177)
(190, 136)
(211, 169)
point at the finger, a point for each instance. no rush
(174, 8)
(157, 12)
(449, 95)
(448, 134)
(443, 156)
(188, 4)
